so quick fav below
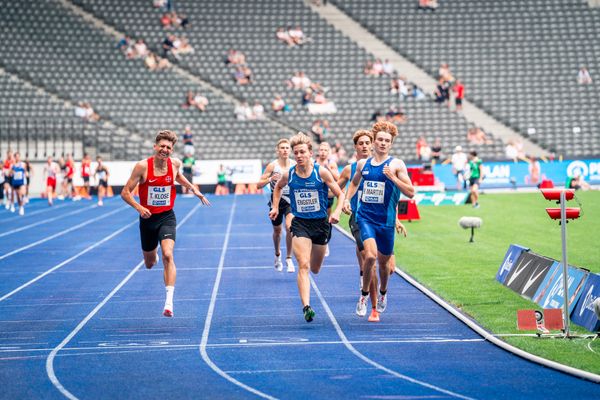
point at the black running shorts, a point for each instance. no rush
(317, 230)
(157, 228)
(355, 229)
(284, 210)
(103, 183)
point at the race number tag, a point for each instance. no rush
(373, 192)
(286, 190)
(159, 196)
(18, 175)
(307, 201)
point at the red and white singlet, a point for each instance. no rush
(157, 193)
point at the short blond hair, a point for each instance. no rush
(384, 126)
(360, 133)
(301, 138)
(282, 140)
(166, 135)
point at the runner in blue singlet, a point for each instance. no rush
(311, 228)
(384, 178)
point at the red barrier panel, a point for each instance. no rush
(554, 194)
(572, 212)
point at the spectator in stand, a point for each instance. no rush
(476, 135)
(320, 130)
(124, 44)
(165, 20)
(235, 57)
(85, 111)
(436, 150)
(195, 101)
(421, 143)
(164, 4)
(459, 94)
(377, 116)
(340, 154)
(510, 151)
(155, 63)
(584, 77)
(243, 112)
(395, 115)
(535, 171)
(299, 81)
(167, 45)
(319, 98)
(307, 97)
(140, 50)
(279, 105)
(459, 167)
(442, 92)
(181, 45)
(388, 68)
(416, 92)
(297, 35)
(188, 142)
(398, 86)
(578, 183)
(283, 35)
(445, 74)
(258, 110)
(242, 75)
(431, 5)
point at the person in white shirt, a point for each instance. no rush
(459, 166)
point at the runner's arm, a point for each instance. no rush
(353, 187)
(396, 171)
(277, 195)
(344, 176)
(137, 175)
(266, 176)
(329, 180)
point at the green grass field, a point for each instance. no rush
(438, 254)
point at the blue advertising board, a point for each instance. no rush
(550, 294)
(583, 314)
(511, 256)
(516, 174)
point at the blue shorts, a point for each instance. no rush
(383, 235)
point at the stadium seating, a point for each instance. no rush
(519, 59)
(330, 59)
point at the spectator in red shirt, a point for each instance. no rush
(459, 94)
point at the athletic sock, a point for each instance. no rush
(169, 300)
(365, 294)
(383, 292)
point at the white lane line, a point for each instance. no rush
(29, 214)
(52, 355)
(68, 260)
(84, 223)
(44, 221)
(209, 316)
(358, 354)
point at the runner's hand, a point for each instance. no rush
(144, 212)
(273, 213)
(347, 209)
(334, 218)
(202, 197)
(275, 177)
(400, 228)
(387, 171)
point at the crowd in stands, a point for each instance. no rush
(292, 36)
(245, 112)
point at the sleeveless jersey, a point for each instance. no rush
(18, 177)
(51, 171)
(85, 168)
(157, 193)
(285, 193)
(101, 173)
(379, 195)
(308, 195)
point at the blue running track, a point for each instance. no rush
(81, 317)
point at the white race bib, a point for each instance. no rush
(373, 192)
(159, 196)
(18, 175)
(286, 190)
(307, 201)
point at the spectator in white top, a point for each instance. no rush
(299, 81)
(459, 166)
(258, 110)
(284, 36)
(278, 105)
(511, 151)
(584, 77)
(140, 50)
(388, 68)
(297, 35)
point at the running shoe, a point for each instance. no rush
(290, 265)
(12, 208)
(309, 313)
(168, 313)
(278, 263)
(374, 317)
(61, 197)
(21, 211)
(381, 302)
(100, 203)
(361, 306)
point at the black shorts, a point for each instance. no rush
(473, 181)
(69, 180)
(157, 228)
(86, 179)
(8, 180)
(355, 229)
(317, 230)
(17, 187)
(284, 210)
(103, 183)
(458, 102)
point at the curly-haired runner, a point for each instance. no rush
(157, 176)
(384, 178)
(311, 229)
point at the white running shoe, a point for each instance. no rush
(361, 306)
(60, 197)
(327, 250)
(381, 302)
(290, 265)
(100, 203)
(21, 211)
(12, 208)
(278, 263)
